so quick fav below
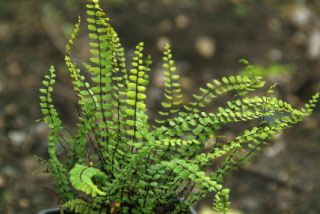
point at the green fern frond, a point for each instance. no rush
(258, 136)
(77, 206)
(100, 65)
(191, 171)
(136, 92)
(81, 179)
(172, 94)
(242, 85)
(87, 102)
(52, 120)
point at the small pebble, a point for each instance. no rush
(24, 203)
(182, 21)
(205, 46)
(17, 138)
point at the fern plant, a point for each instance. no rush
(120, 162)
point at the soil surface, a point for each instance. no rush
(208, 38)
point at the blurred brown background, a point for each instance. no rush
(208, 37)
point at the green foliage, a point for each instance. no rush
(77, 206)
(81, 178)
(117, 163)
(273, 70)
(173, 95)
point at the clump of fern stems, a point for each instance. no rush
(117, 162)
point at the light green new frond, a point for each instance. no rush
(100, 48)
(78, 80)
(54, 123)
(242, 85)
(101, 67)
(47, 108)
(81, 179)
(311, 104)
(118, 57)
(172, 89)
(136, 91)
(77, 206)
(98, 27)
(73, 36)
(252, 140)
(88, 103)
(191, 171)
(201, 126)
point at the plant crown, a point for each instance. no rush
(118, 163)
